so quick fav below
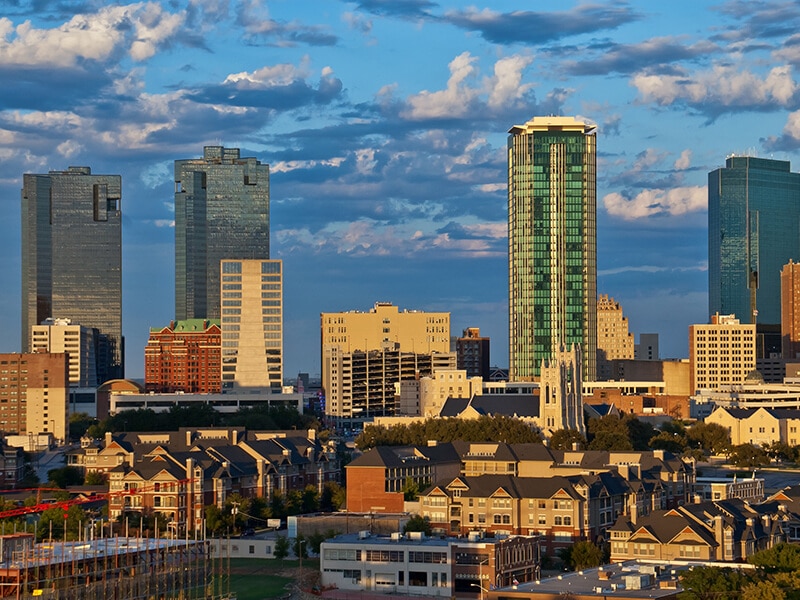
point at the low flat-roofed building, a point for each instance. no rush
(750, 489)
(415, 565)
(224, 403)
(630, 580)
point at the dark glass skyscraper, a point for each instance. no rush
(72, 257)
(221, 211)
(552, 243)
(753, 230)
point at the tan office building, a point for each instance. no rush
(721, 353)
(614, 340)
(33, 393)
(60, 335)
(384, 326)
(252, 324)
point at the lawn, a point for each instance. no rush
(262, 579)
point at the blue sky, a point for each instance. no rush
(384, 122)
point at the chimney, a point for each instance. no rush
(188, 437)
(109, 439)
(312, 434)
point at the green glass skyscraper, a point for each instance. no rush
(221, 211)
(753, 230)
(72, 258)
(552, 243)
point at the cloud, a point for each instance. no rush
(138, 29)
(254, 18)
(608, 57)
(501, 92)
(357, 22)
(407, 9)
(528, 27)
(759, 19)
(723, 88)
(683, 161)
(790, 136)
(657, 202)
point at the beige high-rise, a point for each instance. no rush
(251, 298)
(60, 335)
(384, 326)
(614, 340)
(721, 353)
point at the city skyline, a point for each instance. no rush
(384, 125)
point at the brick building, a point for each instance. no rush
(184, 357)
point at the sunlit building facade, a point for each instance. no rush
(753, 224)
(552, 243)
(184, 357)
(221, 211)
(614, 339)
(72, 257)
(252, 324)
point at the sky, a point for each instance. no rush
(384, 123)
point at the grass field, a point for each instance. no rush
(263, 579)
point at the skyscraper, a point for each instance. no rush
(790, 310)
(221, 211)
(72, 257)
(614, 340)
(552, 243)
(252, 324)
(753, 225)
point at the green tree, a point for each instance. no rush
(282, 546)
(300, 546)
(565, 439)
(763, 590)
(582, 555)
(79, 423)
(95, 478)
(781, 451)
(712, 438)
(333, 497)
(625, 432)
(671, 442)
(65, 476)
(418, 523)
(712, 583)
(748, 456)
(780, 558)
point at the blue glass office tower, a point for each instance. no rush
(72, 258)
(552, 243)
(753, 230)
(221, 212)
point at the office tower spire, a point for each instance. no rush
(221, 211)
(552, 243)
(72, 257)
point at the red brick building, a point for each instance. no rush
(184, 357)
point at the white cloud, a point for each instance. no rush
(69, 148)
(454, 100)
(684, 160)
(284, 166)
(648, 203)
(506, 86)
(723, 85)
(266, 77)
(138, 29)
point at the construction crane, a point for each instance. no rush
(101, 497)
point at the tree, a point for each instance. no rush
(95, 478)
(565, 439)
(79, 423)
(333, 497)
(671, 442)
(748, 456)
(281, 549)
(712, 438)
(780, 558)
(763, 590)
(418, 523)
(583, 555)
(625, 432)
(781, 451)
(65, 476)
(712, 583)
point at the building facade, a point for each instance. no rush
(472, 352)
(72, 257)
(252, 324)
(552, 242)
(184, 357)
(753, 219)
(385, 326)
(721, 353)
(614, 340)
(790, 310)
(34, 389)
(647, 348)
(79, 342)
(221, 211)
(362, 385)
